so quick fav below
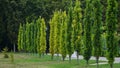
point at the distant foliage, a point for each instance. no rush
(32, 37)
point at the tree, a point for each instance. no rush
(77, 27)
(97, 32)
(51, 40)
(57, 15)
(20, 38)
(87, 31)
(27, 32)
(38, 21)
(111, 20)
(42, 36)
(63, 34)
(31, 37)
(69, 45)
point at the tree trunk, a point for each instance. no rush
(52, 57)
(87, 62)
(69, 58)
(97, 59)
(111, 65)
(63, 58)
(58, 56)
(14, 47)
(77, 57)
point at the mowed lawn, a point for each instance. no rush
(23, 60)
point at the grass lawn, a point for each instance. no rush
(23, 60)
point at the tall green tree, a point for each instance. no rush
(63, 35)
(51, 40)
(42, 36)
(57, 23)
(27, 37)
(20, 38)
(38, 21)
(77, 27)
(70, 46)
(24, 37)
(87, 31)
(111, 20)
(97, 32)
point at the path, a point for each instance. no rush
(117, 60)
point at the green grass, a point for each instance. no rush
(23, 60)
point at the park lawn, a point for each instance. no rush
(25, 60)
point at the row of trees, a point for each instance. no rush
(32, 37)
(73, 30)
(70, 37)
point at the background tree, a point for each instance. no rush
(27, 37)
(20, 38)
(111, 20)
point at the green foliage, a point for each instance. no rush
(87, 31)
(42, 36)
(15, 12)
(52, 38)
(38, 21)
(20, 38)
(56, 17)
(97, 31)
(69, 45)
(12, 57)
(5, 52)
(63, 34)
(27, 36)
(111, 20)
(32, 37)
(77, 26)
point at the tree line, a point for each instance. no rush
(80, 28)
(32, 37)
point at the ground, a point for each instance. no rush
(27, 60)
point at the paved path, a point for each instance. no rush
(117, 60)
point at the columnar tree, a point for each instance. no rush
(70, 47)
(97, 32)
(35, 36)
(42, 36)
(87, 31)
(27, 36)
(31, 37)
(20, 38)
(57, 23)
(38, 21)
(63, 34)
(76, 27)
(24, 37)
(51, 40)
(111, 20)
